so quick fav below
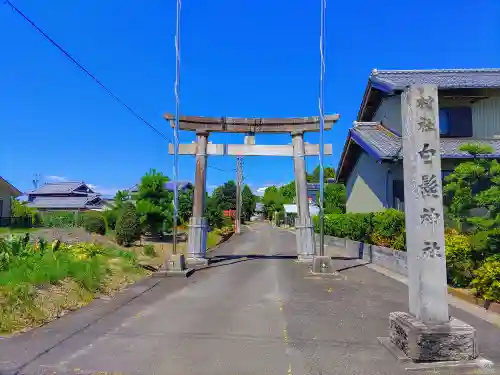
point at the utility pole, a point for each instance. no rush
(36, 180)
(239, 181)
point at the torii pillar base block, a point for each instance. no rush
(175, 266)
(304, 235)
(197, 241)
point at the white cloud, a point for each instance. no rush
(56, 178)
(261, 190)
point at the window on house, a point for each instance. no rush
(455, 122)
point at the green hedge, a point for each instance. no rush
(385, 228)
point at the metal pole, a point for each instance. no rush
(176, 128)
(321, 131)
(237, 220)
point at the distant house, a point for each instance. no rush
(292, 209)
(66, 196)
(371, 162)
(7, 193)
(313, 190)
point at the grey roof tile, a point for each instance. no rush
(65, 202)
(57, 187)
(384, 142)
(387, 145)
(443, 78)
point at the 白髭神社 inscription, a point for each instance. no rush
(426, 333)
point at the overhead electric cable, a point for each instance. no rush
(86, 71)
(94, 78)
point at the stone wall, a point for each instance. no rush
(394, 260)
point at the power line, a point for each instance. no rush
(110, 93)
(95, 79)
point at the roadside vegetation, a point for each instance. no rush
(53, 263)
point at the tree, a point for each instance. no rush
(154, 203)
(288, 192)
(225, 196)
(127, 226)
(111, 215)
(273, 201)
(24, 215)
(335, 198)
(248, 202)
(329, 172)
(185, 205)
(473, 184)
(121, 197)
(213, 213)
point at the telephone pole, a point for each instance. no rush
(239, 182)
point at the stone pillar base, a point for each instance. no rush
(175, 265)
(176, 262)
(304, 235)
(322, 265)
(197, 239)
(422, 342)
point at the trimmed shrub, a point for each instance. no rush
(487, 279)
(459, 264)
(127, 225)
(399, 242)
(354, 226)
(93, 222)
(388, 229)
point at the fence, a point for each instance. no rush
(16, 222)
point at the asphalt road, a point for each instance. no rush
(254, 310)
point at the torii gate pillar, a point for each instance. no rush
(198, 226)
(304, 231)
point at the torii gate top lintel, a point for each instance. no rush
(252, 125)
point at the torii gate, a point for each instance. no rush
(203, 126)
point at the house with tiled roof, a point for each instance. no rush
(66, 196)
(7, 193)
(371, 161)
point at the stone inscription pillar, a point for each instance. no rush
(426, 333)
(198, 226)
(304, 228)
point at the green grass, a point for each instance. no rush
(212, 240)
(36, 288)
(9, 230)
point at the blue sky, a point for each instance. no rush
(250, 58)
